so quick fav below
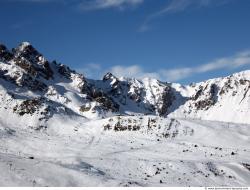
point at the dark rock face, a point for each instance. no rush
(136, 95)
(206, 97)
(232, 86)
(105, 101)
(29, 59)
(127, 91)
(212, 98)
(33, 84)
(27, 51)
(28, 106)
(204, 104)
(32, 62)
(198, 93)
(109, 76)
(167, 100)
(247, 166)
(64, 71)
(5, 55)
(43, 108)
(115, 84)
(170, 129)
(244, 82)
(26, 65)
(227, 86)
(84, 108)
(23, 80)
(119, 127)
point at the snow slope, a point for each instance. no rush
(58, 128)
(79, 153)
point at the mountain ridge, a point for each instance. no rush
(29, 70)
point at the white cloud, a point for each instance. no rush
(238, 60)
(175, 74)
(132, 71)
(181, 5)
(89, 5)
(105, 4)
(170, 75)
(175, 6)
(91, 70)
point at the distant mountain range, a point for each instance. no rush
(30, 84)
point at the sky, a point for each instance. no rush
(172, 40)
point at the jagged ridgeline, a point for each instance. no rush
(53, 83)
(32, 85)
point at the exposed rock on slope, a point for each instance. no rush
(140, 96)
(223, 99)
(158, 127)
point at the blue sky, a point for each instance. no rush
(172, 40)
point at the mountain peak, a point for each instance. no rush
(26, 50)
(109, 76)
(23, 46)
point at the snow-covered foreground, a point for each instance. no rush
(162, 152)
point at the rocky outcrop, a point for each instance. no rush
(151, 95)
(5, 54)
(166, 101)
(103, 99)
(33, 62)
(155, 126)
(206, 97)
(28, 106)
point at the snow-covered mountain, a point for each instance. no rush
(118, 131)
(222, 99)
(26, 71)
